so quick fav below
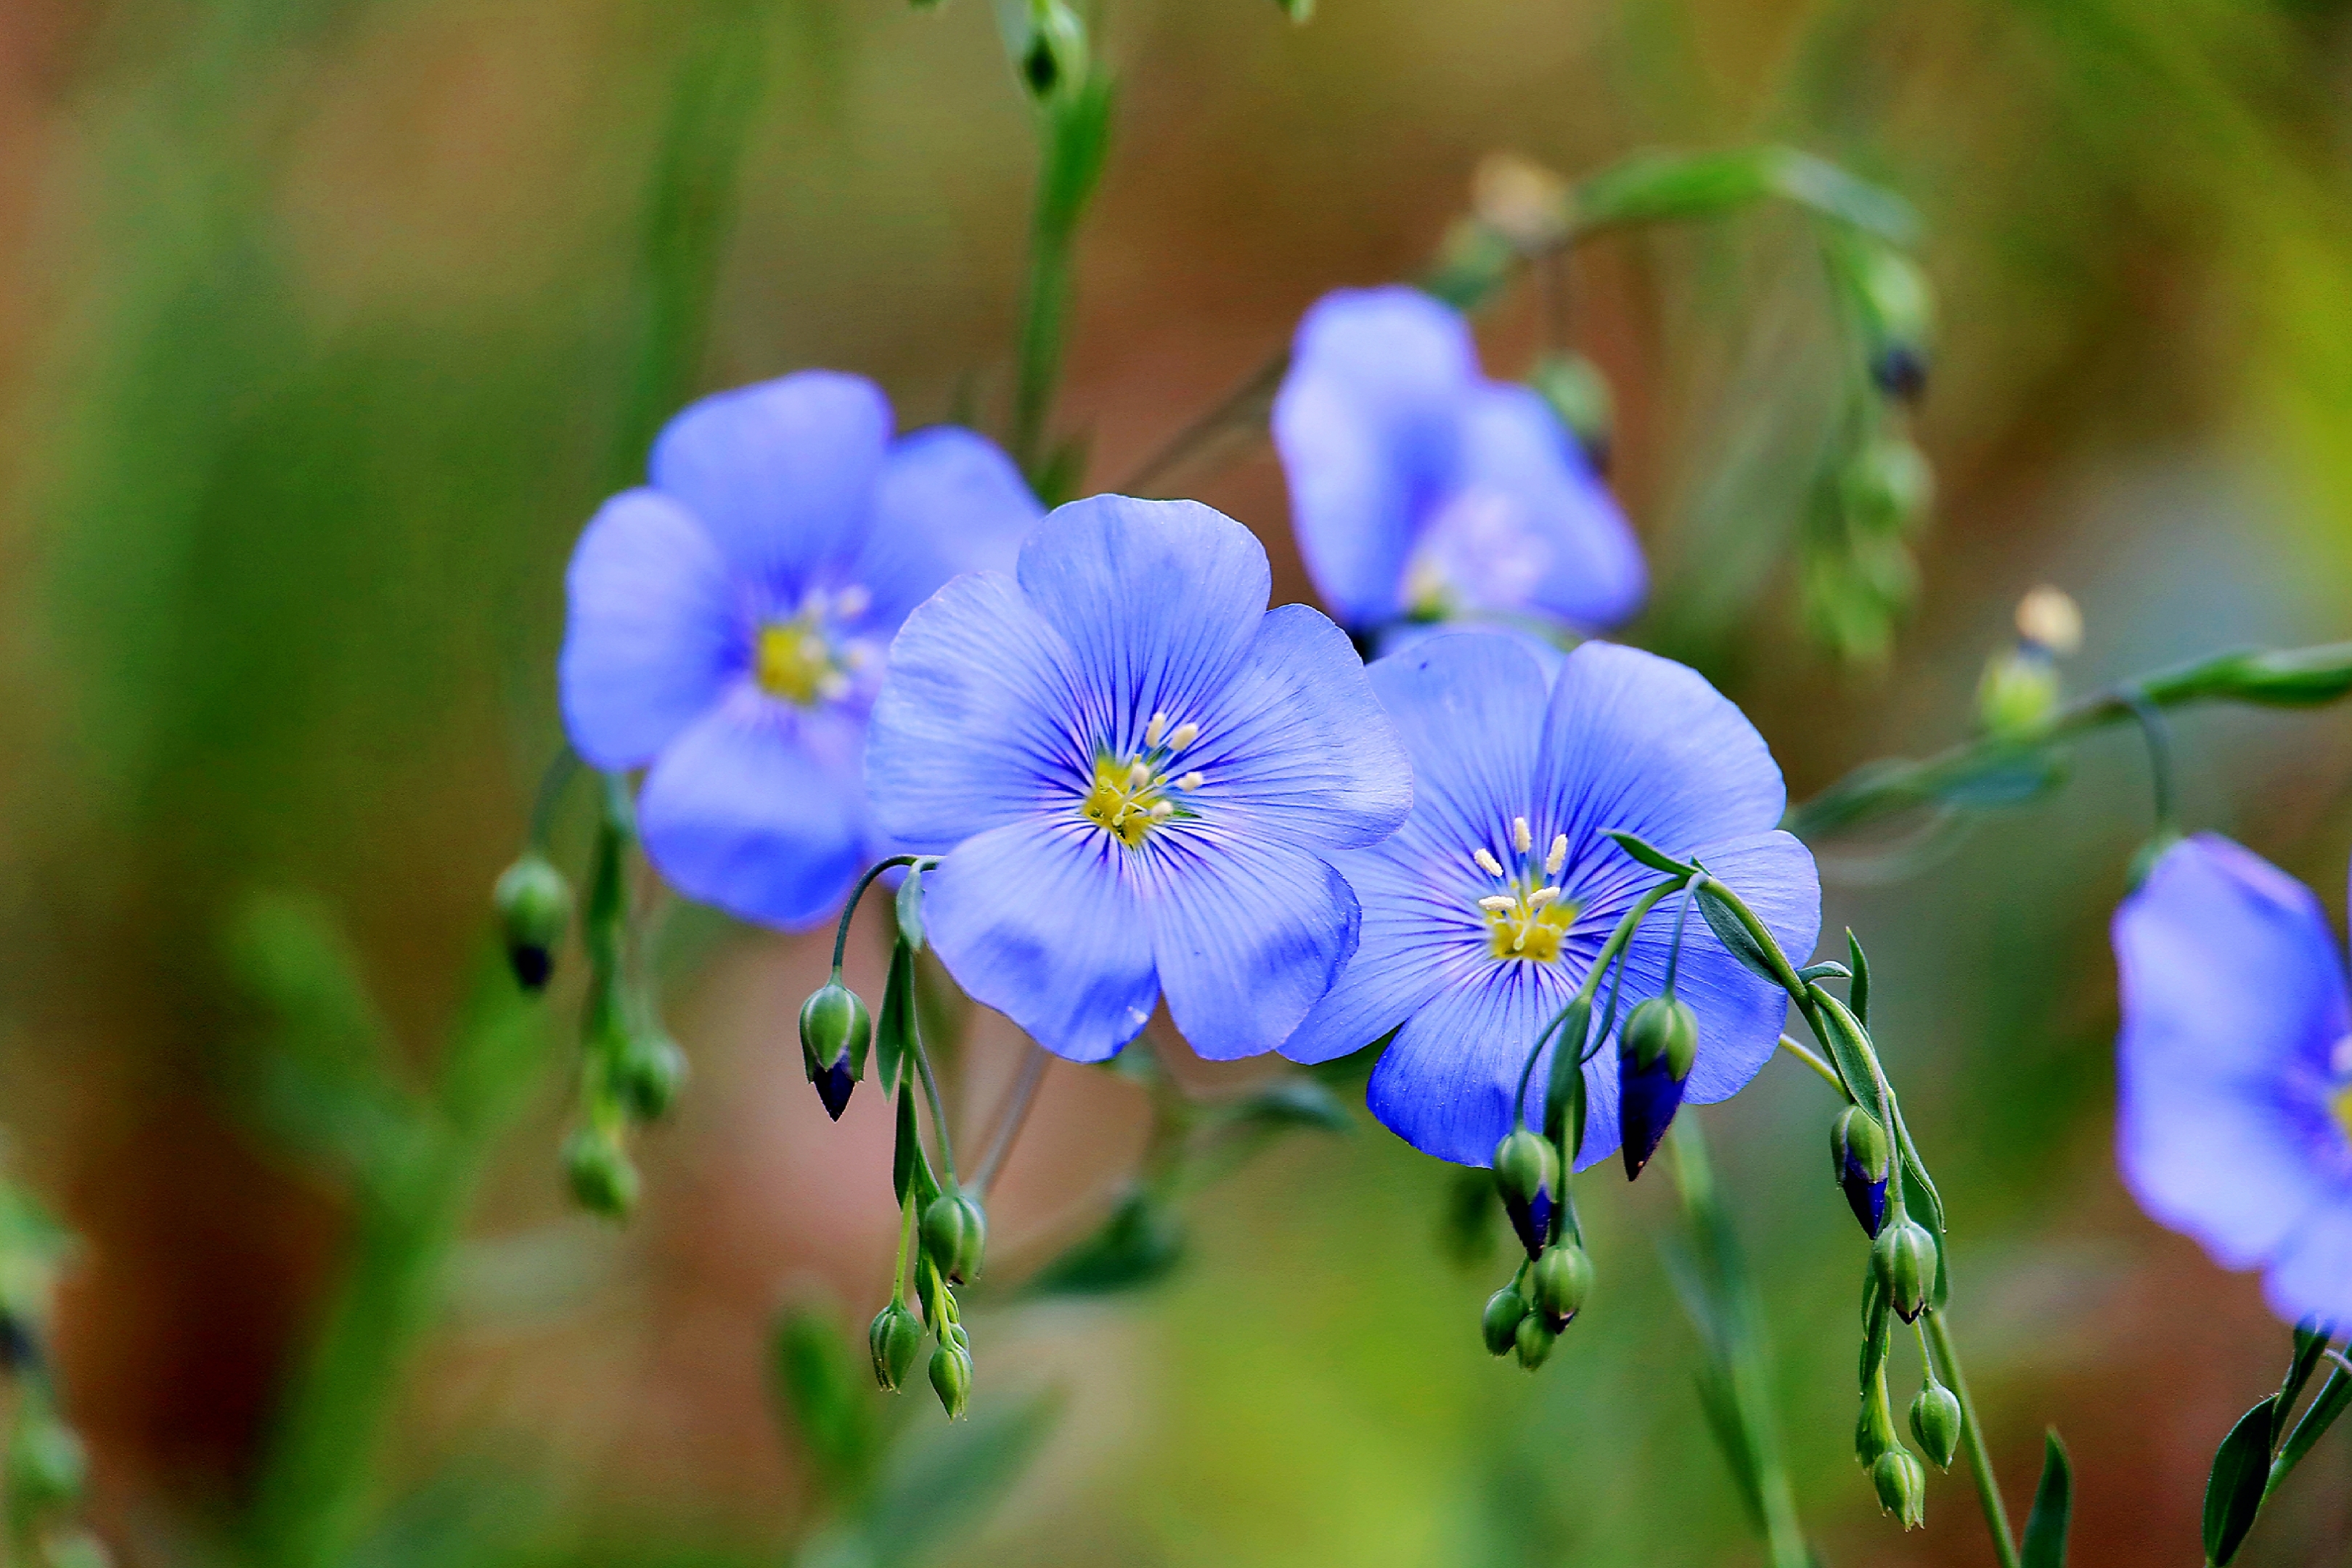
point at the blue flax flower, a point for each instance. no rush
(1138, 773)
(1420, 489)
(2235, 1122)
(728, 624)
(1485, 913)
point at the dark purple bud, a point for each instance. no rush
(833, 1087)
(1901, 370)
(1526, 1171)
(1863, 1162)
(1647, 1099)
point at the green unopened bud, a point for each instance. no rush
(650, 1068)
(1663, 1029)
(835, 1032)
(1887, 485)
(1902, 1486)
(1562, 1279)
(1874, 1431)
(1578, 395)
(1935, 1423)
(534, 905)
(1500, 1321)
(1526, 1176)
(1533, 1339)
(955, 1236)
(46, 1464)
(2018, 691)
(1056, 54)
(602, 1180)
(952, 1373)
(896, 1339)
(1905, 1258)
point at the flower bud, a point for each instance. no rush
(2017, 691)
(1525, 1174)
(534, 905)
(1863, 1162)
(1874, 1432)
(952, 1374)
(1654, 1053)
(602, 1180)
(1935, 1423)
(1562, 1279)
(1055, 55)
(1902, 1486)
(896, 1338)
(1500, 1323)
(649, 1073)
(955, 1234)
(835, 1030)
(1887, 485)
(1533, 1339)
(1905, 1258)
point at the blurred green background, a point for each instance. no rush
(325, 325)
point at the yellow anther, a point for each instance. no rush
(1487, 861)
(2342, 1106)
(1126, 800)
(1557, 858)
(1184, 736)
(1190, 781)
(1521, 840)
(791, 661)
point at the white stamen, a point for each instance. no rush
(852, 601)
(1137, 776)
(859, 655)
(2341, 1057)
(1190, 781)
(1541, 897)
(1184, 736)
(1497, 903)
(1521, 840)
(1157, 727)
(833, 686)
(1163, 811)
(1487, 861)
(812, 647)
(813, 604)
(1557, 858)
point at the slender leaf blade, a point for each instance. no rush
(2053, 1504)
(2233, 1491)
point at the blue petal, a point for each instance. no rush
(2233, 1000)
(1642, 744)
(1366, 423)
(1246, 933)
(1295, 744)
(756, 809)
(2312, 1275)
(1158, 599)
(1740, 1014)
(782, 473)
(1468, 708)
(971, 729)
(1400, 636)
(1446, 1082)
(1526, 525)
(950, 501)
(1041, 921)
(652, 634)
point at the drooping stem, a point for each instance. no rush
(939, 1110)
(1972, 1442)
(562, 769)
(841, 930)
(1014, 1116)
(2159, 736)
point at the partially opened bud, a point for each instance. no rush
(1654, 1054)
(1863, 1162)
(1527, 1175)
(1935, 1423)
(835, 1030)
(534, 905)
(1905, 1258)
(1562, 1279)
(1902, 1486)
(955, 1236)
(896, 1339)
(1500, 1322)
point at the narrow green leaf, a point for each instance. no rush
(1720, 1402)
(2053, 1502)
(1564, 1086)
(2234, 1492)
(1851, 1053)
(1289, 1101)
(1733, 932)
(2334, 1395)
(1827, 969)
(1138, 1245)
(821, 1381)
(908, 1164)
(1858, 994)
(894, 1030)
(943, 1484)
(910, 909)
(2310, 1343)
(1641, 849)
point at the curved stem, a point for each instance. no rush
(1015, 1116)
(562, 769)
(1804, 1054)
(2159, 736)
(841, 931)
(938, 1112)
(1972, 1440)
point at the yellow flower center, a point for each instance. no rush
(1527, 917)
(1131, 795)
(797, 662)
(2342, 1105)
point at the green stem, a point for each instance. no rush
(1623, 933)
(1972, 1441)
(841, 928)
(1073, 126)
(938, 1112)
(1014, 1116)
(1737, 1316)
(2292, 678)
(1804, 1054)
